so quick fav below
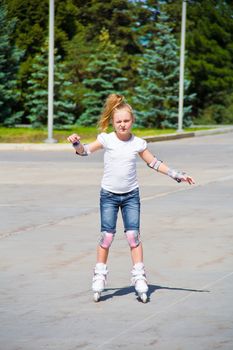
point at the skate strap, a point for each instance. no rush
(98, 277)
(100, 272)
(138, 277)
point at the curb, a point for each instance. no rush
(183, 135)
(34, 147)
(169, 137)
(67, 147)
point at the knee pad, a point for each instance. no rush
(106, 239)
(133, 238)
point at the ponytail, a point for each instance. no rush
(113, 102)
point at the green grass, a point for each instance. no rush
(88, 134)
(29, 135)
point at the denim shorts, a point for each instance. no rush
(129, 203)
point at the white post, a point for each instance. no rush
(50, 138)
(182, 59)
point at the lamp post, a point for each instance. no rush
(182, 59)
(50, 138)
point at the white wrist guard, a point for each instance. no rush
(85, 152)
(176, 175)
(155, 164)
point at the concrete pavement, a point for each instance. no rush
(49, 229)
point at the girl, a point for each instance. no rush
(119, 187)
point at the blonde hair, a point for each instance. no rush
(113, 102)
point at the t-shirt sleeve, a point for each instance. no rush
(142, 145)
(102, 138)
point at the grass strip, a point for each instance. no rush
(88, 134)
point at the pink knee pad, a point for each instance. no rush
(133, 238)
(106, 239)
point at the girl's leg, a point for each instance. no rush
(108, 211)
(137, 254)
(131, 217)
(102, 254)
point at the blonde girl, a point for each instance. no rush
(119, 187)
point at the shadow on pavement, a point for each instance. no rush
(115, 292)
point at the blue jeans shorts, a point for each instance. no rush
(129, 203)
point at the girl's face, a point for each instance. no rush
(123, 122)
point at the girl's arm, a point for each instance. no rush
(158, 165)
(83, 150)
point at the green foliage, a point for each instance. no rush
(218, 113)
(37, 97)
(132, 28)
(210, 44)
(209, 38)
(113, 15)
(157, 96)
(33, 19)
(105, 78)
(78, 58)
(32, 23)
(32, 30)
(9, 61)
(122, 19)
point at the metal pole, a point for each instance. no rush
(182, 59)
(50, 138)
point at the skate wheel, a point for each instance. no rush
(96, 297)
(143, 297)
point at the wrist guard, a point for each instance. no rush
(85, 152)
(176, 175)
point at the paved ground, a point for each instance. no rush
(49, 229)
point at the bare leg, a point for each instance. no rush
(137, 254)
(102, 254)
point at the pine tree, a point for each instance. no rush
(9, 62)
(37, 96)
(156, 98)
(77, 61)
(105, 78)
(209, 43)
(64, 104)
(209, 37)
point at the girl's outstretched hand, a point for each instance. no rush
(73, 138)
(188, 179)
(180, 176)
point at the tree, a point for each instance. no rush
(209, 37)
(156, 98)
(210, 47)
(37, 96)
(122, 19)
(105, 78)
(78, 58)
(131, 27)
(32, 29)
(113, 15)
(9, 62)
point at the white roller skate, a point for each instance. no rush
(139, 281)
(99, 280)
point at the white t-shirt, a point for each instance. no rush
(120, 162)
